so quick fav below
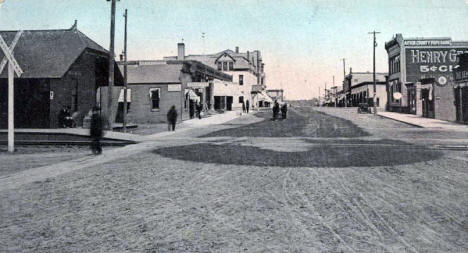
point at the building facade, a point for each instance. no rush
(155, 86)
(246, 69)
(420, 77)
(276, 94)
(62, 68)
(358, 87)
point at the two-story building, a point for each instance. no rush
(358, 87)
(421, 75)
(246, 69)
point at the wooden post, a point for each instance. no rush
(125, 76)
(11, 112)
(111, 66)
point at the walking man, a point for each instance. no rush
(284, 110)
(96, 131)
(275, 110)
(171, 118)
(247, 106)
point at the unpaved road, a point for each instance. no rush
(155, 202)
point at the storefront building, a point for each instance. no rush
(421, 75)
(461, 89)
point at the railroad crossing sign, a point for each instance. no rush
(13, 67)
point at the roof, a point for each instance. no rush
(158, 73)
(48, 53)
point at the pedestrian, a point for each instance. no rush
(275, 110)
(61, 117)
(96, 131)
(247, 106)
(171, 118)
(284, 110)
(243, 107)
(199, 109)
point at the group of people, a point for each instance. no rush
(277, 109)
(245, 106)
(65, 118)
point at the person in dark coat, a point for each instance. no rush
(243, 107)
(284, 110)
(275, 110)
(199, 109)
(61, 117)
(172, 118)
(247, 106)
(96, 131)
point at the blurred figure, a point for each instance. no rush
(284, 110)
(171, 118)
(199, 109)
(96, 131)
(275, 110)
(247, 106)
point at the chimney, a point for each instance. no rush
(75, 25)
(237, 50)
(180, 51)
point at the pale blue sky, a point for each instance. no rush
(299, 39)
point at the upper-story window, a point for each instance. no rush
(241, 79)
(220, 65)
(225, 66)
(231, 65)
(394, 64)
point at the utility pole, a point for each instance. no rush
(344, 80)
(111, 65)
(373, 98)
(335, 91)
(203, 38)
(319, 97)
(125, 75)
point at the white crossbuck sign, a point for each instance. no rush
(13, 67)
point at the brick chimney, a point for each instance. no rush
(180, 51)
(237, 50)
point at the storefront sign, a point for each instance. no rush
(438, 63)
(443, 42)
(197, 84)
(174, 87)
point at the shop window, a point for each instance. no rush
(241, 79)
(220, 65)
(155, 96)
(231, 65)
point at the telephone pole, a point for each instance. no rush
(111, 65)
(373, 98)
(344, 80)
(125, 75)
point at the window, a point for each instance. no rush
(220, 65)
(241, 99)
(225, 66)
(231, 65)
(155, 97)
(241, 79)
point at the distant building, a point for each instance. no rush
(155, 86)
(358, 87)
(246, 69)
(62, 68)
(420, 75)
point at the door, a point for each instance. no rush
(229, 101)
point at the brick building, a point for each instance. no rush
(155, 86)
(61, 68)
(421, 75)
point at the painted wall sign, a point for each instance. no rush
(174, 87)
(439, 42)
(438, 63)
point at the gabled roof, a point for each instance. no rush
(48, 53)
(156, 73)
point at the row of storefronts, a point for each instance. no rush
(421, 77)
(65, 69)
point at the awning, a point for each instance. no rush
(192, 95)
(129, 95)
(262, 96)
